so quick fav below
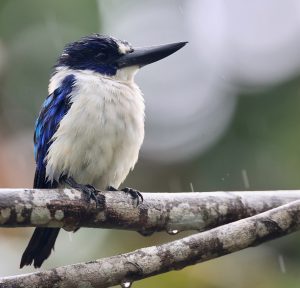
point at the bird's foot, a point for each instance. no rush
(135, 194)
(89, 191)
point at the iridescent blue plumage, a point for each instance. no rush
(53, 110)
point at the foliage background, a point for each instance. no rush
(222, 114)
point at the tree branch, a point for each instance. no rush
(169, 212)
(178, 254)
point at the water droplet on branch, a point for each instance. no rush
(126, 284)
(173, 231)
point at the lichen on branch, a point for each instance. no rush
(177, 254)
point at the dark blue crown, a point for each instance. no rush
(95, 52)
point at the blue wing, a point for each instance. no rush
(53, 110)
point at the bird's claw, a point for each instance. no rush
(91, 193)
(135, 194)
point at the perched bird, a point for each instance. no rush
(91, 126)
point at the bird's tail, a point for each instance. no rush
(39, 247)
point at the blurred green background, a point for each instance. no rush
(258, 148)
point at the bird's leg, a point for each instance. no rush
(135, 194)
(89, 191)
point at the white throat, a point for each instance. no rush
(126, 74)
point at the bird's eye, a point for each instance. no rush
(101, 56)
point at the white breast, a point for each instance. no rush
(99, 139)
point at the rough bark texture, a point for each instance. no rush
(159, 212)
(155, 260)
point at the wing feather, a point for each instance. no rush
(53, 110)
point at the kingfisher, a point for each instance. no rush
(91, 126)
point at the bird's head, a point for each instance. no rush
(107, 55)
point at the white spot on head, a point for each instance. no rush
(124, 47)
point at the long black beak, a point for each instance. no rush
(146, 55)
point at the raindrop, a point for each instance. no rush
(245, 179)
(126, 284)
(172, 232)
(192, 187)
(281, 264)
